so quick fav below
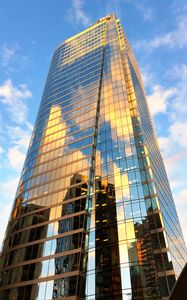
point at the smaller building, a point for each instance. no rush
(179, 291)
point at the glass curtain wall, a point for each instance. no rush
(93, 217)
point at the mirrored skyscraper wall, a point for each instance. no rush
(93, 216)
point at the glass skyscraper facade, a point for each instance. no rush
(93, 217)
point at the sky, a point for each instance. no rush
(29, 33)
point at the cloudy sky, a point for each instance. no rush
(29, 33)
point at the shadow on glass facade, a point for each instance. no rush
(93, 216)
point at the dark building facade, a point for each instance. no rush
(93, 216)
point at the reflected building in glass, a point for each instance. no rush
(93, 216)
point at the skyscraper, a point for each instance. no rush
(93, 216)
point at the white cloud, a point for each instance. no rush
(20, 139)
(158, 100)
(164, 143)
(16, 143)
(8, 190)
(180, 71)
(14, 100)
(14, 139)
(147, 77)
(11, 57)
(182, 199)
(1, 150)
(177, 38)
(173, 142)
(178, 133)
(179, 74)
(174, 149)
(171, 101)
(15, 158)
(118, 6)
(77, 15)
(8, 54)
(146, 11)
(174, 161)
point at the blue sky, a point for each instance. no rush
(29, 33)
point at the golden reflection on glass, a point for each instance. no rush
(130, 230)
(124, 258)
(122, 232)
(79, 45)
(120, 213)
